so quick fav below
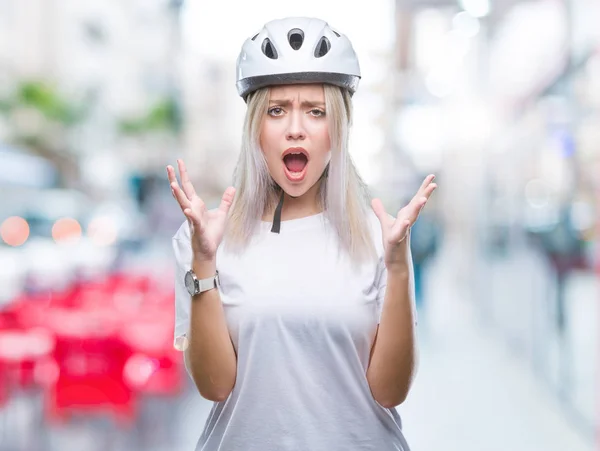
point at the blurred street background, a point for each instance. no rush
(499, 98)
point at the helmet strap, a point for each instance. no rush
(276, 227)
(277, 216)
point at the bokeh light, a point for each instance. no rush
(102, 231)
(66, 230)
(14, 231)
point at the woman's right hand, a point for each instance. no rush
(206, 227)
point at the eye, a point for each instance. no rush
(317, 112)
(275, 111)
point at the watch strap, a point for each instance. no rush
(207, 284)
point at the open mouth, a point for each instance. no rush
(295, 164)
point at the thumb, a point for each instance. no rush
(380, 212)
(227, 199)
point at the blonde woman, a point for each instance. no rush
(294, 298)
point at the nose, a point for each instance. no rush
(295, 129)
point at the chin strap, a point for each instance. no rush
(277, 216)
(276, 227)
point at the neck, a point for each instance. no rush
(298, 207)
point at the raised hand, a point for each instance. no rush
(206, 227)
(396, 231)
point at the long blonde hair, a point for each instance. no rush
(344, 196)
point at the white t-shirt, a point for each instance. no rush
(302, 322)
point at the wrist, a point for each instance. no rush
(204, 268)
(398, 269)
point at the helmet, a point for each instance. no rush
(296, 50)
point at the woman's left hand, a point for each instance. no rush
(396, 231)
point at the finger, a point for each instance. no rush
(422, 200)
(415, 213)
(408, 215)
(411, 211)
(227, 199)
(424, 192)
(380, 212)
(186, 184)
(172, 179)
(403, 212)
(191, 215)
(424, 188)
(195, 219)
(171, 174)
(426, 182)
(429, 190)
(180, 196)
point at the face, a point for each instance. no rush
(295, 137)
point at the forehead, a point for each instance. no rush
(312, 92)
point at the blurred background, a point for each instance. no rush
(499, 98)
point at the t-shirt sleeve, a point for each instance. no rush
(381, 270)
(183, 260)
(381, 283)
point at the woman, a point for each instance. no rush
(305, 337)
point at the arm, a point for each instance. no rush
(394, 353)
(210, 355)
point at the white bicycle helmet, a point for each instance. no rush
(296, 50)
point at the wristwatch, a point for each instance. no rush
(196, 286)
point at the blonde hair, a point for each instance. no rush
(344, 196)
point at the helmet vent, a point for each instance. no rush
(322, 47)
(268, 49)
(296, 38)
(255, 36)
(336, 33)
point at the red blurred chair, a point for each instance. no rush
(108, 341)
(155, 367)
(21, 351)
(90, 360)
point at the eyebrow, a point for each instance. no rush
(305, 103)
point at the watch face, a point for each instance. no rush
(189, 282)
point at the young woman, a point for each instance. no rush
(294, 298)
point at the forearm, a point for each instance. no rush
(394, 354)
(210, 356)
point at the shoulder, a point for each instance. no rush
(183, 232)
(181, 244)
